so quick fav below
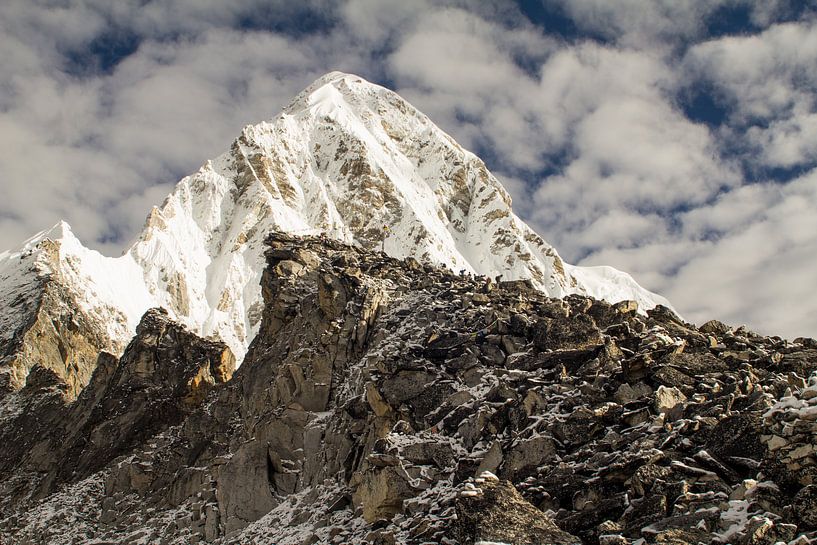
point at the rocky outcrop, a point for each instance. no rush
(346, 158)
(44, 323)
(490, 510)
(163, 376)
(377, 394)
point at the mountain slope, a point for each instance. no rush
(387, 402)
(347, 158)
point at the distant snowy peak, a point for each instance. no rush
(110, 290)
(348, 158)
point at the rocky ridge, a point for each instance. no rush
(389, 401)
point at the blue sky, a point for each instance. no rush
(676, 140)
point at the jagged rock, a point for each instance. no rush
(246, 486)
(638, 367)
(715, 327)
(528, 455)
(667, 399)
(581, 425)
(804, 506)
(371, 396)
(164, 374)
(493, 511)
(381, 492)
(56, 335)
(577, 332)
(627, 393)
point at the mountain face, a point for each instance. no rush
(347, 158)
(389, 401)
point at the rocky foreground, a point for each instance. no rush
(387, 402)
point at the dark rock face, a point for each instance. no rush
(492, 510)
(161, 379)
(376, 395)
(164, 374)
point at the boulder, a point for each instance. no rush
(492, 511)
(577, 332)
(804, 507)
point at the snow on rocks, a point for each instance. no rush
(375, 406)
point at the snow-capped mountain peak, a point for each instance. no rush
(347, 158)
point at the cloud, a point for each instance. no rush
(768, 83)
(757, 270)
(76, 147)
(103, 106)
(640, 22)
(670, 24)
(631, 151)
(462, 71)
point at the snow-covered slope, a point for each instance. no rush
(348, 158)
(110, 289)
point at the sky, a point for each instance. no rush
(672, 139)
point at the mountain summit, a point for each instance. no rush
(346, 158)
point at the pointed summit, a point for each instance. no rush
(347, 158)
(60, 230)
(340, 82)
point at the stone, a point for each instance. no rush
(443, 348)
(637, 367)
(370, 391)
(245, 487)
(612, 539)
(804, 507)
(497, 513)
(406, 385)
(492, 459)
(577, 332)
(666, 399)
(381, 493)
(513, 345)
(715, 327)
(480, 299)
(736, 436)
(627, 393)
(645, 476)
(527, 455)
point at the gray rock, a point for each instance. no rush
(804, 506)
(372, 393)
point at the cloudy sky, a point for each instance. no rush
(673, 139)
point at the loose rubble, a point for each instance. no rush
(388, 401)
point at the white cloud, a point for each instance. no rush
(770, 85)
(460, 70)
(664, 24)
(620, 228)
(76, 148)
(761, 271)
(376, 21)
(631, 181)
(640, 22)
(632, 151)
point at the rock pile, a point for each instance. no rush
(388, 401)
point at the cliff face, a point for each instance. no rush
(387, 401)
(43, 322)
